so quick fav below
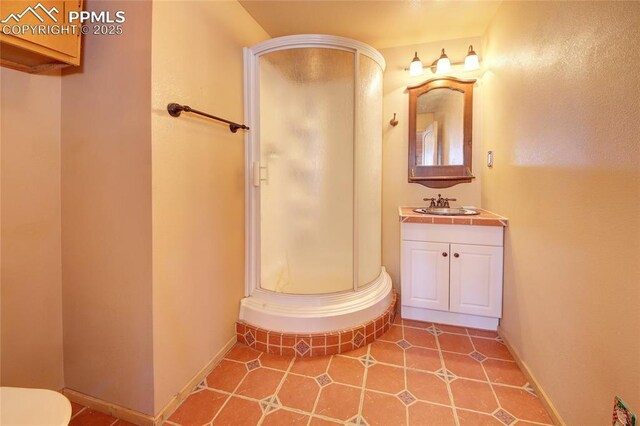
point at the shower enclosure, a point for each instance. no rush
(313, 184)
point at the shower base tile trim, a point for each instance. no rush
(317, 344)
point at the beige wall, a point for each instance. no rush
(198, 185)
(106, 214)
(396, 191)
(563, 107)
(30, 228)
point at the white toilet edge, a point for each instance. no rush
(29, 406)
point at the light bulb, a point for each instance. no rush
(416, 66)
(471, 62)
(444, 64)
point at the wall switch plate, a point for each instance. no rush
(489, 159)
(622, 416)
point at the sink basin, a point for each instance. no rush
(447, 211)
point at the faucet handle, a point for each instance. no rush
(446, 201)
(432, 203)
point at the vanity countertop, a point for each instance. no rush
(485, 218)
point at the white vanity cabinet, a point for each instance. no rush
(452, 273)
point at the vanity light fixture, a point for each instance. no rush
(443, 64)
(416, 66)
(471, 62)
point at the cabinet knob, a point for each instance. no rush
(444, 254)
(456, 255)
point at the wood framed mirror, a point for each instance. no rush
(440, 132)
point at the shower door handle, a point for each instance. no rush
(257, 174)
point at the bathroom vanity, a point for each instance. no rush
(451, 268)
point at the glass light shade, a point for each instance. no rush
(471, 62)
(444, 64)
(416, 66)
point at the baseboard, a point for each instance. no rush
(142, 419)
(179, 398)
(551, 409)
(114, 410)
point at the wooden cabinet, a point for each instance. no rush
(50, 40)
(452, 274)
(475, 280)
(425, 275)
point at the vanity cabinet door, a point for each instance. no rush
(476, 280)
(425, 275)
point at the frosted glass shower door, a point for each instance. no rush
(306, 167)
(368, 171)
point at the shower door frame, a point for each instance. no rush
(252, 157)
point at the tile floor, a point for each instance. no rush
(416, 374)
(83, 416)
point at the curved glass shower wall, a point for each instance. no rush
(314, 156)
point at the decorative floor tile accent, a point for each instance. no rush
(434, 330)
(248, 337)
(477, 356)
(252, 365)
(302, 347)
(354, 388)
(406, 397)
(504, 417)
(403, 344)
(367, 360)
(324, 380)
(269, 404)
(529, 389)
(446, 375)
(357, 420)
(358, 339)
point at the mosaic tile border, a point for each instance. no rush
(318, 344)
